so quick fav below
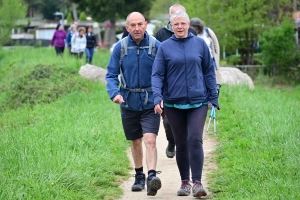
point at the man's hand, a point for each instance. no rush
(118, 99)
(158, 108)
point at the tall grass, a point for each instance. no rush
(259, 134)
(73, 148)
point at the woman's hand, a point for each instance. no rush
(158, 108)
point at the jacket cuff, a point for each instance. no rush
(157, 100)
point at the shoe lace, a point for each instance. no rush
(185, 184)
(138, 177)
(197, 184)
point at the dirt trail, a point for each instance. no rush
(170, 175)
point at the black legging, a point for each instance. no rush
(187, 126)
(59, 50)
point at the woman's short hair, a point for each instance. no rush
(198, 25)
(179, 14)
(81, 29)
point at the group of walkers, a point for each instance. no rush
(173, 76)
(79, 41)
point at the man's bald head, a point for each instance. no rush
(136, 26)
(135, 15)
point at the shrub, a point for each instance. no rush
(82, 16)
(44, 84)
(69, 18)
(279, 52)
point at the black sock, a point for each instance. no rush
(139, 170)
(151, 173)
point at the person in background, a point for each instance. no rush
(162, 35)
(135, 97)
(209, 37)
(91, 44)
(78, 43)
(58, 40)
(73, 30)
(183, 83)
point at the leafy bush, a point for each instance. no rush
(69, 18)
(279, 52)
(44, 84)
(82, 16)
(236, 59)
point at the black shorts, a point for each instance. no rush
(137, 123)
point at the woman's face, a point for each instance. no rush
(180, 27)
(90, 29)
(81, 32)
(60, 27)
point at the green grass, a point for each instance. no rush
(72, 148)
(259, 134)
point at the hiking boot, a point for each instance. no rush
(198, 190)
(185, 188)
(139, 183)
(170, 151)
(153, 184)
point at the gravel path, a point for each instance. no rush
(170, 175)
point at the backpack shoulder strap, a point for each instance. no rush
(124, 45)
(207, 31)
(152, 48)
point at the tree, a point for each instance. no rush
(33, 7)
(82, 16)
(112, 10)
(160, 9)
(69, 18)
(10, 12)
(238, 24)
(279, 52)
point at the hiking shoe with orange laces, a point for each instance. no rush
(198, 190)
(185, 188)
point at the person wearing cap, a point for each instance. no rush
(58, 39)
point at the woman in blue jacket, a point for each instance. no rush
(183, 83)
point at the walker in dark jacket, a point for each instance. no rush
(91, 43)
(166, 32)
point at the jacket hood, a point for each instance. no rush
(190, 35)
(169, 28)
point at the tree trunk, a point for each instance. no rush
(75, 16)
(112, 32)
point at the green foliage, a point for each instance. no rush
(23, 82)
(259, 133)
(112, 10)
(10, 12)
(160, 9)
(82, 16)
(280, 53)
(69, 18)
(44, 84)
(236, 23)
(73, 148)
(233, 60)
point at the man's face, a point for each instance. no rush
(180, 27)
(136, 26)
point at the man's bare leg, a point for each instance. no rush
(151, 151)
(153, 182)
(137, 152)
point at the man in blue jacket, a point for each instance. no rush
(135, 97)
